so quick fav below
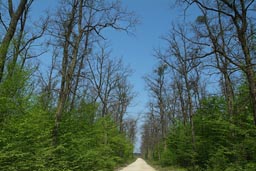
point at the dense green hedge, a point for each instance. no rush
(26, 144)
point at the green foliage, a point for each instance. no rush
(180, 149)
(84, 143)
(87, 146)
(223, 142)
(25, 141)
(14, 94)
(201, 19)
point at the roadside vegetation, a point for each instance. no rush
(201, 113)
(64, 97)
(69, 111)
(160, 167)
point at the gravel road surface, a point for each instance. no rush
(138, 165)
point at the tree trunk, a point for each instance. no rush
(250, 73)
(229, 94)
(86, 49)
(4, 46)
(252, 88)
(58, 115)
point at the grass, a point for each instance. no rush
(169, 168)
(158, 168)
(119, 167)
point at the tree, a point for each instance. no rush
(17, 45)
(151, 136)
(181, 57)
(238, 15)
(76, 21)
(129, 127)
(157, 86)
(34, 102)
(217, 29)
(10, 31)
(176, 89)
(123, 95)
(110, 88)
(48, 84)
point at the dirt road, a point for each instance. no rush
(138, 165)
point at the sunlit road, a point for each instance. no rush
(138, 165)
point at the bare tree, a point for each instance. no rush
(151, 135)
(48, 84)
(10, 31)
(181, 58)
(17, 43)
(157, 86)
(17, 35)
(174, 88)
(123, 96)
(130, 127)
(76, 20)
(238, 15)
(217, 29)
(103, 77)
(109, 79)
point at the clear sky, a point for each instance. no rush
(137, 51)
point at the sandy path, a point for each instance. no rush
(138, 165)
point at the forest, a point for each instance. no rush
(68, 115)
(71, 115)
(189, 123)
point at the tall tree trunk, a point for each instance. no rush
(64, 92)
(58, 114)
(66, 70)
(4, 46)
(190, 108)
(223, 63)
(85, 55)
(252, 88)
(183, 108)
(250, 73)
(229, 94)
